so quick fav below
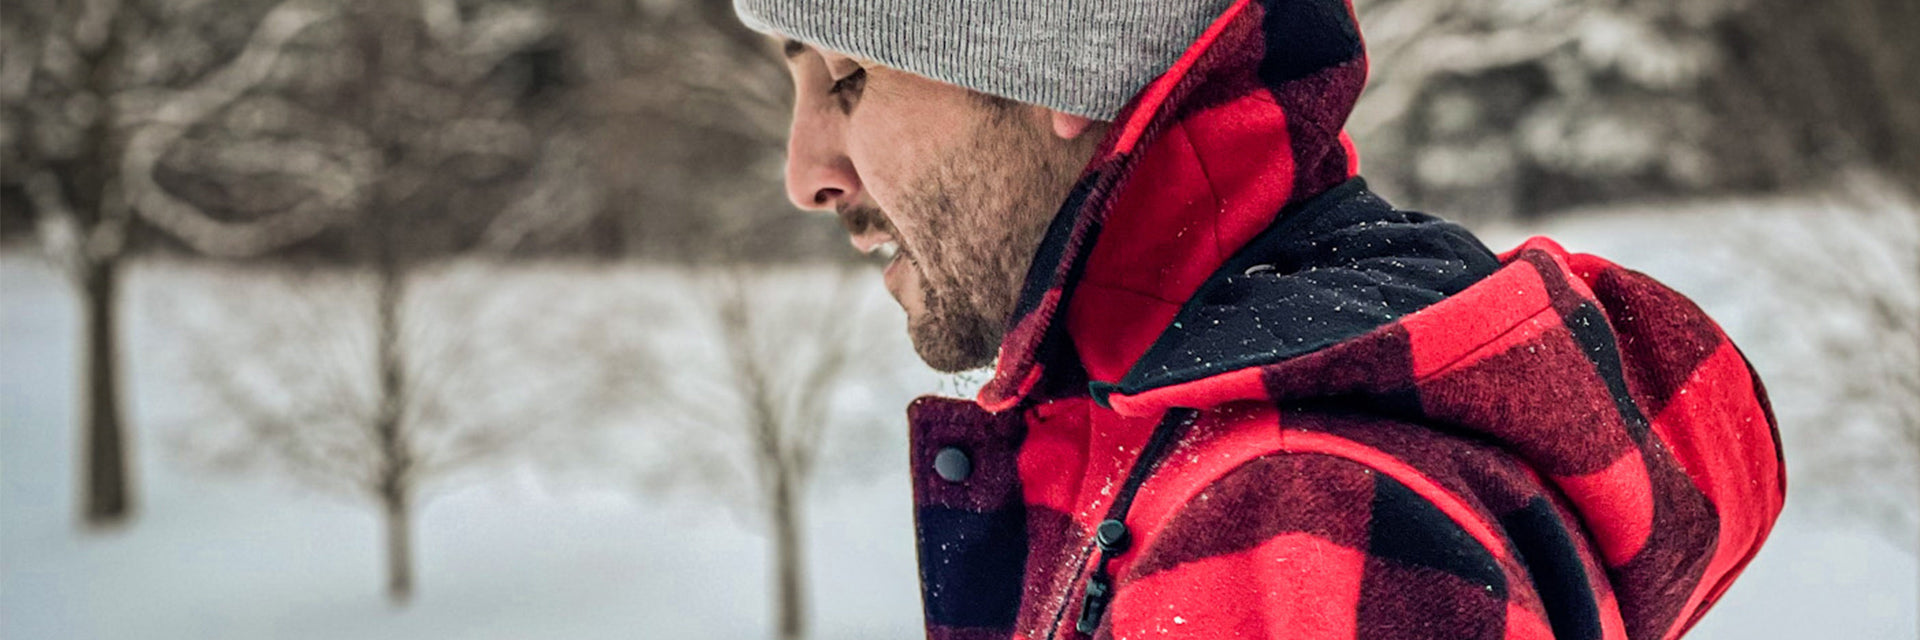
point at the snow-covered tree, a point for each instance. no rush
(1497, 108)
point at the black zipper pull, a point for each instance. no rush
(1094, 605)
(1111, 537)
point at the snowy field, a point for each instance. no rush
(539, 551)
(534, 553)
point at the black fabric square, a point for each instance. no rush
(1595, 336)
(1408, 529)
(1558, 573)
(1304, 36)
(971, 565)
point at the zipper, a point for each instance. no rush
(1111, 537)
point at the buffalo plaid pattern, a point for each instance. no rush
(1596, 463)
(1274, 78)
(1562, 448)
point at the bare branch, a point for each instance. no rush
(59, 229)
(158, 131)
(562, 198)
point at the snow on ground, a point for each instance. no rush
(528, 556)
(216, 556)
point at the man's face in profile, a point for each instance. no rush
(959, 186)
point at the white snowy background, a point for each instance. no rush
(547, 551)
(592, 143)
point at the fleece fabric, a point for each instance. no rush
(1319, 417)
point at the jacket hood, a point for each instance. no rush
(1246, 123)
(1616, 391)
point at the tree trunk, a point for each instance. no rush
(399, 547)
(790, 596)
(105, 487)
(396, 474)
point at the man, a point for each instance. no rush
(1236, 394)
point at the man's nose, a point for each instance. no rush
(819, 174)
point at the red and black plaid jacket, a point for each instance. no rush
(1308, 415)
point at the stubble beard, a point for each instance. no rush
(982, 212)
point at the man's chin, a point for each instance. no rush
(951, 347)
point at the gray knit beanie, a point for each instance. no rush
(1085, 57)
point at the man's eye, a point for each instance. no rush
(849, 86)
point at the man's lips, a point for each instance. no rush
(895, 273)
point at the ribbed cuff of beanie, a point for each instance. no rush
(1083, 57)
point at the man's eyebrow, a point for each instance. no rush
(793, 48)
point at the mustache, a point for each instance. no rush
(859, 218)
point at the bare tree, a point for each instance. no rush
(93, 93)
(390, 386)
(691, 109)
(754, 423)
(442, 99)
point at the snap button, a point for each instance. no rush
(1257, 269)
(952, 465)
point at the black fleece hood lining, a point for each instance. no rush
(1343, 263)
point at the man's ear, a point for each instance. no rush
(1069, 126)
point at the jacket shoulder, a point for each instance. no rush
(1225, 493)
(1318, 516)
(1318, 545)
